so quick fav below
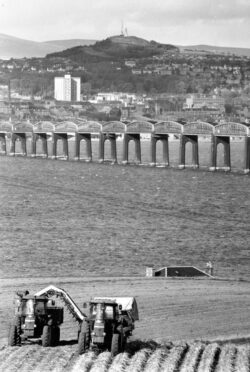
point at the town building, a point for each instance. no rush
(201, 101)
(130, 63)
(67, 88)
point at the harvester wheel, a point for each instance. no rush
(116, 344)
(84, 339)
(47, 336)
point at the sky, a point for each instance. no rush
(179, 22)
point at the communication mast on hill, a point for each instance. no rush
(124, 31)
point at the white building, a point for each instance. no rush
(67, 88)
(124, 98)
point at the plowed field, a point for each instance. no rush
(196, 357)
(174, 313)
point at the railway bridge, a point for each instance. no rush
(78, 130)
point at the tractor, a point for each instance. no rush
(35, 317)
(109, 323)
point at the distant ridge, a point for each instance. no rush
(216, 49)
(69, 43)
(14, 47)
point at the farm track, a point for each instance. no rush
(182, 357)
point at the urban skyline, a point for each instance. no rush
(213, 22)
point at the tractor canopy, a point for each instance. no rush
(128, 304)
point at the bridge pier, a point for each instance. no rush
(87, 138)
(184, 139)
(43, 137)
(225, 141)
(3, 149)
(127, 138)
(64, 138)
(125, 149)
(247, 155)
(101, 147)
(112, 138)
(102, 139)
(154, 139)
(212, 167)
(22, 138)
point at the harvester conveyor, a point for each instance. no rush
(74, 310)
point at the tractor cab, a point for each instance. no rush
(28, 305)
(109, 323)
(105, 308)
(102, 317)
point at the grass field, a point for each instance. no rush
(61, 218)
(92, 229)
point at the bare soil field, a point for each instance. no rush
(184, 324)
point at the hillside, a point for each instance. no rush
(14, 47)
(129, 40)
(115, 48)
(123, 63)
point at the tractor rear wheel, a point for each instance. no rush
(18, 330)
(15, 332)
(47, 336)
(84, 339)
(116, 344)
(12, 335)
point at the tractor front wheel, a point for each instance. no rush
(83, 342)
(47, 336)
(84, 338)
(124, 343)
(55, 336)
(116, 344)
